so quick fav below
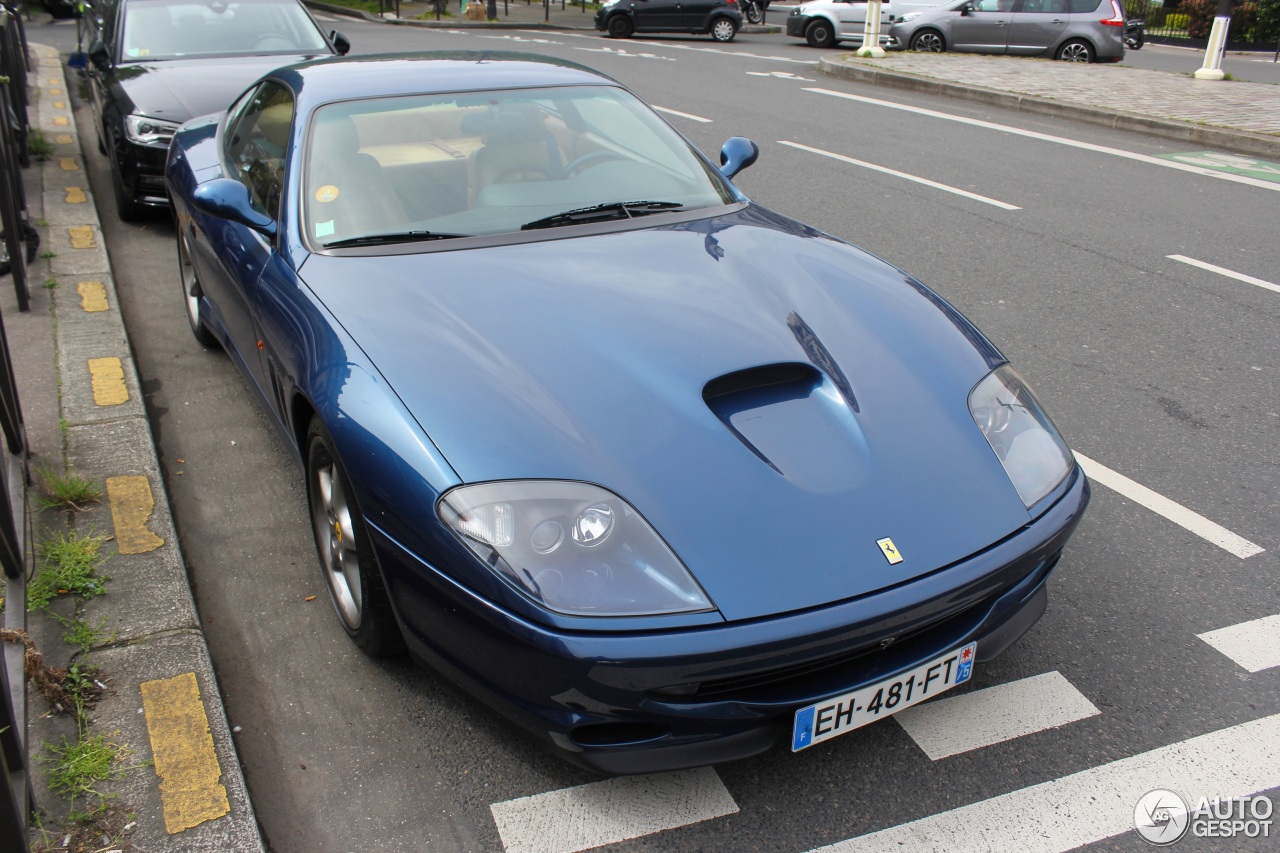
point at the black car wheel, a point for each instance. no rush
(1076, 51)
(126, 208)
(620, 27)
(346, 555)
(820, 34)
(928, 41)
(723, 29)
(191, 293)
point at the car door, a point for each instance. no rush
(657, 15)
(982, 26)
(852, 19)
(694, 13)
(1037, 26)
(234, 255)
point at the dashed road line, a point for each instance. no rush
(587, 816)
(107, 378)
(731, 53)
(1045, 137)
(950, 726)
(1178, 514)
(895, 173)
(191, 792)
(1238, 276)
(1255, 645)
(689, 116)
(93, 296)
(131, 507)
(1094, 804)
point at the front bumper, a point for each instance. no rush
(142, 172)
(646, 702)
(796, 25)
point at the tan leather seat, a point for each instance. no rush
(348, 187)
(517, 147)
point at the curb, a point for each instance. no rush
(187, 790)
(1240, 141)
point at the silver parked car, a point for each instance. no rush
(1074, 30)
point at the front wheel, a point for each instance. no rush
(346, 554)
(723, 29)
(753, 13)
(620, 27)
(191, 293)
(820, 34)
(1076, 51)
(928, 41)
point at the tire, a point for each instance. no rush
(1075, 51)
(820, 33)
(346, 554)
(191, 293)
(620, 27)
(723, 30)
(1137, 42)
(928, 41)
(753, 13)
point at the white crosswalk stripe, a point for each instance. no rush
(1253, 645)
(959, 724)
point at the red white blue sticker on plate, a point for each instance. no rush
(841, 714)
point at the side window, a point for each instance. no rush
(255, 144)
(1081, 7)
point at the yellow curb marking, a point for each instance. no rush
(81, 237)
(63, 139)
(131, 507)
(61, 121)
(93, 296)
(59, 105)
(53, 81)
(183, 751)
(68, 164)
(54, 89)
(107, 375)
(75, 195)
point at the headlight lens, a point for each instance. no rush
(149, 131)
(1024, 439)
(575, 548)
(910, 16)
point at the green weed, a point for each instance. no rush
(65, 491)
(68, 566)
(39, 147)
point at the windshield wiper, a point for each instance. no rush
(608, 210)
(394, 237)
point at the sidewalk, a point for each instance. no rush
(1233, 115)
(183, 789)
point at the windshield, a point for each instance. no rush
(444, 166)
(162, 29)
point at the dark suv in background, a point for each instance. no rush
(621, 18)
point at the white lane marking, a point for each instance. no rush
(1178, 514)
(599, 813)
(925, 181)
(783, 75)
(959, 724)
(1094, 804)
(1031, 134)
(621, 51)
(1238, 276)
(689, 116)
(522, 39)
(1253, 645)
(716, 50)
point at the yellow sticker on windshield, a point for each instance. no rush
(328, 192)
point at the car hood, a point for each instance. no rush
(587, 359)
(177, 90)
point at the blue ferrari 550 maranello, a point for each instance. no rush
(663, 476)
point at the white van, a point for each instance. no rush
(822, 23)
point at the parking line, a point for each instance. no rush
(1045, 137)
(1094, 804)
(191, 792)
(1238, 276)
(959, 724)
(131, 507)
(683, 115)
(925, 181)
(599, 813)
(1255, 645)
(1178, 514)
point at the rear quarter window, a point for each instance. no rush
(1083, 7)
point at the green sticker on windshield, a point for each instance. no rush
(324, 229)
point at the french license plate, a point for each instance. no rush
(841, 714)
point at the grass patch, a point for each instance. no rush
(39, 147)
(81, 633)
(68, 566)
(75, 767)
(65, 491)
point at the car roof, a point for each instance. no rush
(387, 75)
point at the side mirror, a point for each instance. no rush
(736, 154)
(965, 10)
(229, 199)
(98, 54)
(340, 42)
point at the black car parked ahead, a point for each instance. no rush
(153, 64)
(621, 18)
